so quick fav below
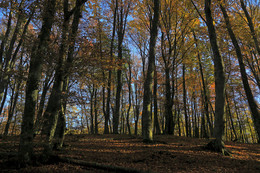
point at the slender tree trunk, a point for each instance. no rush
(3, 100)
(129, 99)
(121, 24)
(156, 120)
(39, 119)
(96, 111)
(231, 119)
(147, 102)
(91, 112)
(184, 101)
(106, 129)
(205, 96)
(251, 26)
(2, 49)
(217, 144)
(14, 99)
(250, 98)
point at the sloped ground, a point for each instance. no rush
(167, 154)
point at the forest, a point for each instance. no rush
(145, 82)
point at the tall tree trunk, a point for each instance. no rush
(218, 134)
(36, 62)
(205, 96)
(231, 119)
(96, 111)
(39, 118)
(129, 99)
(147, 102)
(4, 99)
(250, 98)
(184, 101)
(55, 101)
(53, 108)
(106, 129)
(91, 112)
(251, 26)
(2, 49)
(121, 24)
(156, 120)
(14, 99)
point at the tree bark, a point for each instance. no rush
(106, 129)
(36, 62)
(121, 24)
(218, 144)
(147, 102)
(250, 98)
(129, 99)
(184, 102)
(156, 120)
(205, 96)
(251, 26)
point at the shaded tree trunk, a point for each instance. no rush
(156, 120)
(14, 98)
(36, 62)
(217, 144)
(121, 24)
(106, 129)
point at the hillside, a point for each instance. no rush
(111, 152)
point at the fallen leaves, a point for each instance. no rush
(167, 154)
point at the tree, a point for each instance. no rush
(250, 98)
(217, 144)
(147, 102)
(122, 14)
(26, 138)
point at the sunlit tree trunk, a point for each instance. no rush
(184, 101)
(231, 119)
(147, 102)
(205, 96)
(251, 26)
(129, 99)
(250, 98)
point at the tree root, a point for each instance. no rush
(218, 146)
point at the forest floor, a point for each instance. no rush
(167, 154)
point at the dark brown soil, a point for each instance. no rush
(167, 154)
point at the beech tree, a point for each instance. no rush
(147, 105)
(26, 138)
